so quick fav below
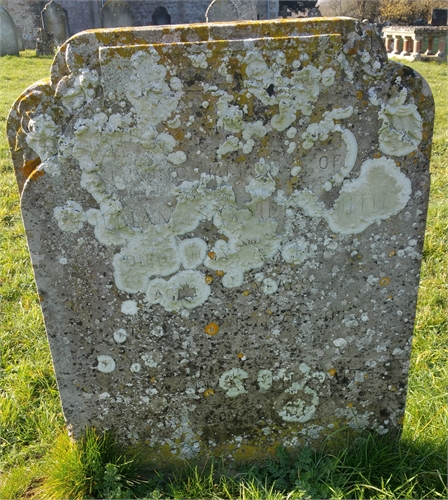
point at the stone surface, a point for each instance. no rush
(115, 14)
(9, 43)
(226, 224)
(55, 20)
(44, 43)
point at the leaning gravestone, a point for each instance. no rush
(55, 20)
(116, 13)
(9, 34)
(226, 225)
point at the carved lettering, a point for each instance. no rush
(323, 162)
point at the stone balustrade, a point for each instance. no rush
(416, 42)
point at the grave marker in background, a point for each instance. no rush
(55, 20)
(115, 14)
(9, 35)
(226, 224)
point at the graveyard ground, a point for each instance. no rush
(33, 458)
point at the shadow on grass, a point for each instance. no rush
(368, 466)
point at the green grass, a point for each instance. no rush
(38, 460)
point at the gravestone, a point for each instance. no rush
(115, 14)
(9, 42)
(44, 43)
(226, 225)
(231, 10)
(55, 20)
(221, 11)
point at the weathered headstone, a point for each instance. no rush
(221, 11)
(44, 43)
(226, 225)
(55, 20)
(231, 10)
(9, 43)
(116, 14)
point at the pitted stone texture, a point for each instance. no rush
(226, 224)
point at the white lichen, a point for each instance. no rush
(106, 364)
(232, 382)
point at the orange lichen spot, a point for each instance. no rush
(211, 255)
(240, 355)
(35, 174)
(219, 272)
(392, 388)
(359, 94)
(209, 280)
(384, 281)
(392, 253)
(377, 155)
(29, 167)
(209, 392)
(390, 297)
(349, 405)
(152, 380)
(240, 159)
(269, 311)
(332, 372)
(359, 256)
(364, 102)
(211, 329)
(246, 293)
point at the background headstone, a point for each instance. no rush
(226, 234)
(44, 43)
(116, 14)
(231, 10)
(55, 20)
(9, 43)
(221, 11)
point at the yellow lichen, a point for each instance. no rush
(392, 253)
(219, 272)
(209, 280)
(211, 329)
(240, 355)
(209, 392)
(246, 293)
(384, 281)
(211, 255)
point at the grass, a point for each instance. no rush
(37, 459)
